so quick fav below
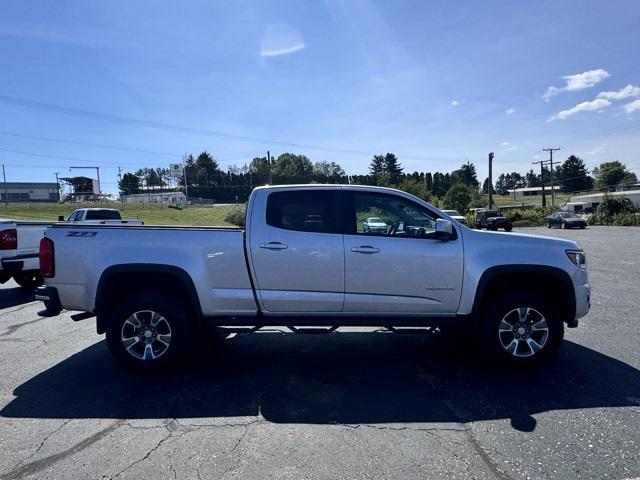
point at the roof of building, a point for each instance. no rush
(535, 189)
(624, 193)
(31, 185)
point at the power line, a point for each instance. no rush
(86, 144)
(22, 102)
(76, 159)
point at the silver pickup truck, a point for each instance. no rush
(306, 260)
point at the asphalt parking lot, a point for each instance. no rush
(345, 405)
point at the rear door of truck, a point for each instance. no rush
(297, 251)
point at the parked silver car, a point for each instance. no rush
(375, 225)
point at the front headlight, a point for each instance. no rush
(578, 258)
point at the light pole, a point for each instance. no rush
(490, 186)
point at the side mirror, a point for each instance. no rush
(61, 218)
(444, 229)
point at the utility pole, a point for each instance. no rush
(58, 184)
(490, 186)
(544, 197)
(269, 162)
(184, 177)
(6, 195)
(551, 150)
(120, 181)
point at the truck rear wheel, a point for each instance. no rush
(146, 331)
(521, 330)
(28, 280)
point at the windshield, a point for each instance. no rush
(451, 213)
(565, 215)
(375, 220)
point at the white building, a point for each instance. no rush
(29, 191)
(171, 198)
(530, 191)
(593, 199)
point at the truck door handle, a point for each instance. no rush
(365, 249)
(274, 246)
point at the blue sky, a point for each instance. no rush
(438, 83)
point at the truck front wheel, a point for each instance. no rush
(146, 331)
(521, 330)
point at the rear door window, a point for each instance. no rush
(304, 211)
(103, 215)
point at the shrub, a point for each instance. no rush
(527, 217)
(617, 211)
(236, 215)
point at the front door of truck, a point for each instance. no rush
(297, 252)
(400, 269)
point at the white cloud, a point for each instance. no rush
(280, 39)
(505, 144)
(595, 150)
(579, 81)
(632, 107)
(509, 111)
(626, 92)
(592, 106)
(455, 103)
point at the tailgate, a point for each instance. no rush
(29, 238)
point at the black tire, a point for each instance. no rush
(508, 306)
(508, 228)
(548, 225)
(582, 226)
(29, 280)
(181, 332)
(563, 226)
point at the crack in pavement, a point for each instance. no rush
(356, 426)
(38, 465)
(12, 328)
(149, 452)
(20, 308)
(235, 447)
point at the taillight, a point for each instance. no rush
(9, 239)
(47, 260)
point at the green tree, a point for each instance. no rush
(328, 169)
(207, 171)
(457, 198)
(466, 174)
(428, 181)
(393, 168)
(150, 176)
(129, 184)
(485, 185)
(291, 165)
(259, 168)
(501, 185)
(377, 165)
(609, 174)
(573, 175)
(414, 187)
(439, 187)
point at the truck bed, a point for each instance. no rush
(213, 256)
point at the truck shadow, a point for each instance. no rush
(338, 378)
(12, 297)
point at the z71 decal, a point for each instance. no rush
(81, 234)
